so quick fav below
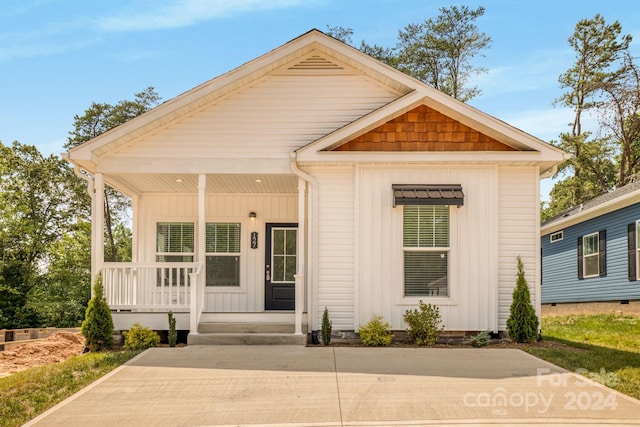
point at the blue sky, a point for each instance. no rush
(59, 56)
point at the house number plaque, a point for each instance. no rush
(254, 240)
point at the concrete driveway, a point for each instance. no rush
(341, 386)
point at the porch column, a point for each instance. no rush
(197, 285)
(97, 227)
(300, 256)
(135, 202)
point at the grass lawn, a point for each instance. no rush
(26, 394)
(605, 348)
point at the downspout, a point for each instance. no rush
(312, 238)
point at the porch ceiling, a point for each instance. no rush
(188, 183)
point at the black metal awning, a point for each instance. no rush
(427, 194)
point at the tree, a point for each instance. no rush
(619, 115)
(36, 207)
(592, 170)
(60, 298)
(522, 325)
(97, 328)
(96, 120)
(437, 51)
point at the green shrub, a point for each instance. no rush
(173, 334)
(140, 337)
(424, 324)
(480, 340)
(522, 325)
(376, 333)
(326, 327)
(97, 327)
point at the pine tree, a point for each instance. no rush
(97, 327)
(326, 327)
(522, 325)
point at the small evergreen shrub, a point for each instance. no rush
(480, 340)
(97, 327)
(522, 325)
(172, 337)
(376, 333)
(140, 338)
(424, 324)
(326, 327)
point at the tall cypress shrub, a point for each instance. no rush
(522, 325)
(97, 327)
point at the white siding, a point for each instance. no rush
(335, 246)
(225, 208)
(518, 234)
(268, 120)
(473, 257)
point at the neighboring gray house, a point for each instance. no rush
(590, 258)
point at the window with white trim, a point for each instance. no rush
(223, 254)
(556, 237)
(591, 255)
(174, 243)
(426, 250)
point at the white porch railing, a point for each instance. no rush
(148, 286)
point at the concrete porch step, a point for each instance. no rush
(246, 339)
(248, 328)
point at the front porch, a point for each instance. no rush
(206, 252)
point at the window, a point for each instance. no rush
(426, 250)
(590, 248)
(223, 254)
(633, 251)
(592, 261)
(556, 237)
(174, 243)
(283, 255)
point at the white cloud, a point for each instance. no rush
(181, 13)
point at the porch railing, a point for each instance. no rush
(148, 286)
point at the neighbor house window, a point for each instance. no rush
(426, 250)
(592, 260)
(556, 237)
(223, 254)
(633, 251)
(174, 243)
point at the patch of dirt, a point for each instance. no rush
(58, 347)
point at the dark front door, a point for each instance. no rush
(280, 266)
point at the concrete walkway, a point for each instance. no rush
(341, 386)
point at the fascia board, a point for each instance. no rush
(596, 211)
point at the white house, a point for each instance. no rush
(315, 176)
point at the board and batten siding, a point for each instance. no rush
(335, 260)
(519, 217)
(275, 208)
(560, 281)
(268, 120)
(473, 261)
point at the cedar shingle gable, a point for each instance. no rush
(423, 129)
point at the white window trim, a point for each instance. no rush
(410, 301)
(242, 289)
(557, 233)
(596, 254)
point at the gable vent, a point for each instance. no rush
(315, 63)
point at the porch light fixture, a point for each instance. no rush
(252, 215)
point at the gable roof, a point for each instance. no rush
(315, 53)
(598, 206)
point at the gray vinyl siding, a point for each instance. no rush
(560, 281)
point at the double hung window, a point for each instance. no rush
(426, 250)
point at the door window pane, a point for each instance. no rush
(284, 243)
